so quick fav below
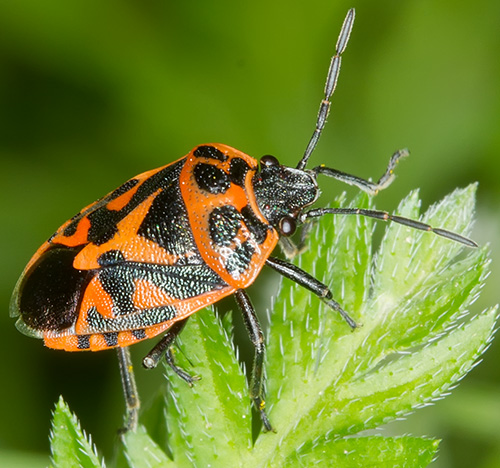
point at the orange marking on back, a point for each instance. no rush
(133, 247)
(94, 296)
(200, 204)
(125, 338)
(97, 342)
(146, 251)
(148, 295)
(78, 238)
(64, 342)
(155, 330)
(126, 235)
(118, 203)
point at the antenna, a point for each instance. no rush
(330, 85)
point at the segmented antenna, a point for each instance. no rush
(330, 85)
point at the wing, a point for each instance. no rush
(120, 304)
(128, 302)
(125, 265)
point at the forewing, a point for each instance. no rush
(127, 302)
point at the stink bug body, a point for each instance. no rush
(174, 240)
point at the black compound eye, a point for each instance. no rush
(287, 226)
(268, 160)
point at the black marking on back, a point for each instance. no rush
(210, 152)
(124, 188)
(71, 228)
(83, 342)
(111, 338)
(167, 224)
(147, 318)
(104, 221)
(224, 224)
(50, 293)
(120, 288)
(139, 334)
(238, 170)
(240, 260)
(111, 257)
(103, 225)
(211, 179)
(256, 227)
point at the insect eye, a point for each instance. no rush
(287, 226)
(268, 160)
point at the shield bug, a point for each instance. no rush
(176, 239)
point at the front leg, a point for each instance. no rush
(363, 184)
(309, 282)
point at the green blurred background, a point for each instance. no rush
(93, 92)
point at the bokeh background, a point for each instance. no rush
(93, 92)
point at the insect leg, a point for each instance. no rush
(163, 347)
(384, 216)
(257, 337)
(169, 357)
(289, 248)
(365, 185)
(307, 281)
(129, 389)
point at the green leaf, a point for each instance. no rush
(412, 346)
(209, 424)
(70, 446)
(142, 452)
(325, 382)
(380, 452)
(414, 379)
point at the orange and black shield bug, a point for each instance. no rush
(174, 240)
